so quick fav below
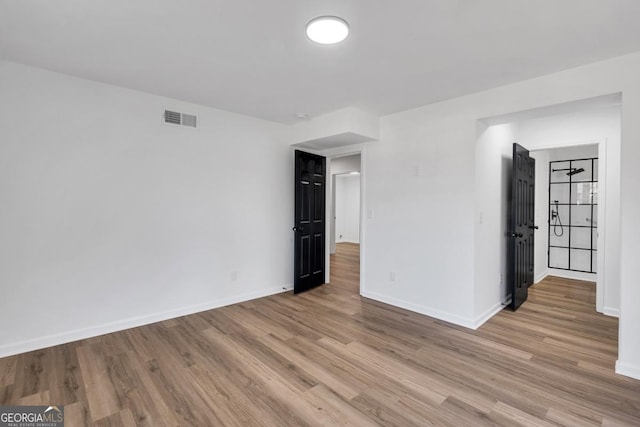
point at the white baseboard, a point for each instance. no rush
(427, 311)
(565, 274)
(614, 312)
(575, 275)
(435, 313)
(133, 322)
(628, 370)
(492, 311)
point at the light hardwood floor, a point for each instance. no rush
(330, 357)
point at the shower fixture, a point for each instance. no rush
(575, 171)
(557, 224)
(572, 171)
(572, 218)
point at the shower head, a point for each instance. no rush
(572, 171)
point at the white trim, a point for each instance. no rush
(488, 314)
(133, 322)
(421, 309)
(332, 214)
(345, 150)
(567, 144)
(331, 154)
(613, 312)
(628, 370)
(363, 207)
(602, 222)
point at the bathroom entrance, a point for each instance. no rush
(569, 188)
(579, 135)
(573, 215)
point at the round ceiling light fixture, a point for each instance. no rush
(327, 29)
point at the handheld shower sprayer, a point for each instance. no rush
(557, 223)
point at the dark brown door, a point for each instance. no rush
(309, 228)
(520, 274)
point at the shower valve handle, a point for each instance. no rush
(533, 227)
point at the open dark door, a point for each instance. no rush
(520, 271)
(309, 228)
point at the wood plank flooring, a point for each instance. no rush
(330, 357)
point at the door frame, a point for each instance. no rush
(331, 154)
(602, 220)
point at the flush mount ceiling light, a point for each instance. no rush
(327, 29)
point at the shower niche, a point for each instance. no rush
(573, 210)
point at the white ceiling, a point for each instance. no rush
(252, 56)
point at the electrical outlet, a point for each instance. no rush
(392, 276)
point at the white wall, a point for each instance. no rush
(540, 270)
(421, 194)
(629, 339)
(494, 151)
(111, 218)
(347, 191)
(419, 187)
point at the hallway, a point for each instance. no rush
(345, 267)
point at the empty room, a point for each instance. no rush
(303, 213)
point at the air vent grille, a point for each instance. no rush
(172, 117)
(177, 118)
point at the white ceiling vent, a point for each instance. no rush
(177, 118)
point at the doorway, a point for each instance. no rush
(593, 122)
(570, 186)
(345, 221)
